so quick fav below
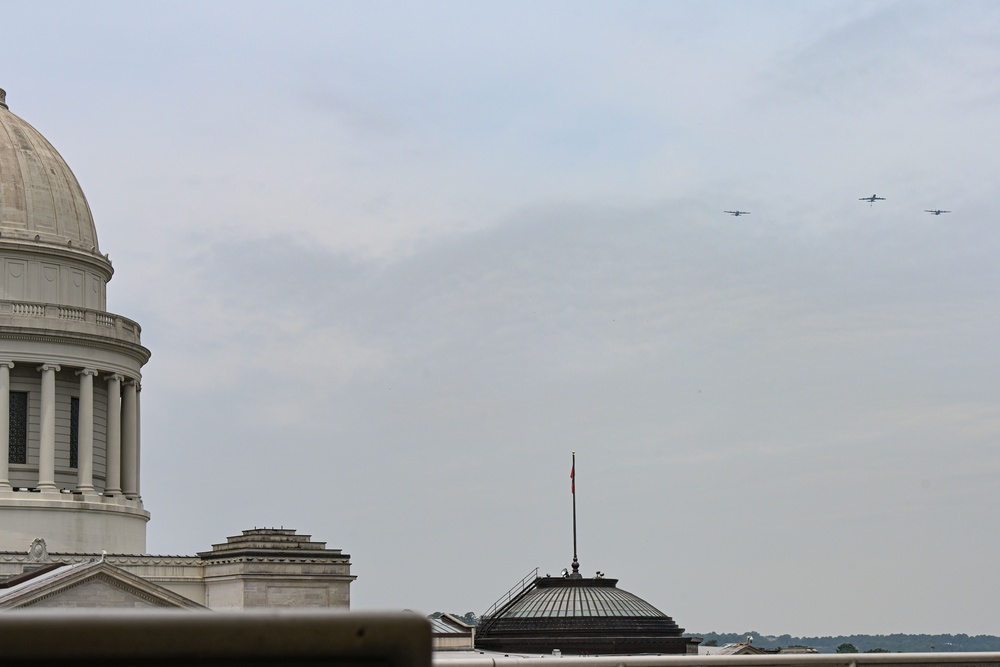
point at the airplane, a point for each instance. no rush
(872, 199)
(737, 213)
(936, 211)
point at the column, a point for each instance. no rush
(47, 437)
(85, 437)
(138, 441)
(129, 450)
(113, 485)
(5, 367)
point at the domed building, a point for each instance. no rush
(70, 380)
(70, 371)
(578, 615)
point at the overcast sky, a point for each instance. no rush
(396, 261)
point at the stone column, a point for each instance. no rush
(5, 367)
(129, 448)
(138, 441)
(113, 485)
(85, 436)
(47, 436)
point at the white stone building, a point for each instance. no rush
(70, 385)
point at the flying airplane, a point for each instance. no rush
(737, 213)
(936, 211)
(872, 199)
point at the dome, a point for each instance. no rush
(579, 615)
(40, 198)
(580, 598)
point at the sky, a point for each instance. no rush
(396, 261)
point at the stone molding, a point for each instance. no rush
(94, 339)
(114, 559)
(75, 501)
(265, 559)
(111, 581)
(48, 249)
(38, 552)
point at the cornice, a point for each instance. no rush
(148, 559)
(18, 557)
(339, 560)
(133, 350)
(100, 263)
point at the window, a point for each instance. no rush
(74, 431)
(18, 427)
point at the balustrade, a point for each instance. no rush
(28, 309)
(120, 327)
(77, 314)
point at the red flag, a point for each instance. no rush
(572, 479)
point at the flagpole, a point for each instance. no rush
(572, 476)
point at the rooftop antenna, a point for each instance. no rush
(572, 488)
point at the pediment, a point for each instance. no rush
(89, 585)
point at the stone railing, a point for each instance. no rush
(69, 319)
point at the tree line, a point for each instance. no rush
(894, 643)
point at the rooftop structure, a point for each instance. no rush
(573, 614)
(582, 616)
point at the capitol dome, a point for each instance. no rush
(70, 371)
(39, 195)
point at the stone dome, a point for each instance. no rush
(40, 198)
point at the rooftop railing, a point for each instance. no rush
(526, 582)
(69, 318)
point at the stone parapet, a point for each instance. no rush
(68, 319)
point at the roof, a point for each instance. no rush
(448, 624)
(741, 648)
(580, 615)
(272, 542)
(568, 597)
(40, 199)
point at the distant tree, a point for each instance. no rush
(847, 648)
(876, 650)
(710, 642)
(893, 643)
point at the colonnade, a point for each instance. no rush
(122, 437)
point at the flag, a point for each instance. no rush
(572, 479)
